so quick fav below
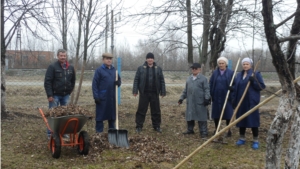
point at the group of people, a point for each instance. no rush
(149, 83)
(198, 93)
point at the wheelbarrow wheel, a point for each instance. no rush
(55, 145)
(83, 143)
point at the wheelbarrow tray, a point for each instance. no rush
(57, 124)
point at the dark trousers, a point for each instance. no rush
(144, 101)
(254, 131)
(217, 122)
(100, 125)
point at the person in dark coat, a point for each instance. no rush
(59, 82)
(150, 83)
(219, 85)
(103, 86)
(252, 98)
(196, 93)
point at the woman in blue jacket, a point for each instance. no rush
(219, 84)
(252, 98)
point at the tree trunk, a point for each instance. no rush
(189, 32)
(205, 35)
(284, 112)
(217, 32)
(85, 47)
(64, 23)
(293, 152)
(3, 51)
(78, 45)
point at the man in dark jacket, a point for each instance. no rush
(59, 81)
(149, 81)
(103, 86)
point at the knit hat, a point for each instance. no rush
(150, 55)
(247, 60)
(224, 59)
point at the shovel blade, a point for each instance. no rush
(118, 137)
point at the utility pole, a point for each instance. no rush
(106, 29)
(18, 42)
(112, 32)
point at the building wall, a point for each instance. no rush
(28, 59)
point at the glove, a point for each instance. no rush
(206, 102)
(233, 104)
(180, 101)
(251, 78)
(116, 83)
(97, 101)
(230, 88)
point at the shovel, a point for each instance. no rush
(115, 136)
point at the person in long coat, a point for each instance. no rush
(103, 86)
(219, 85)
(196, 93)
(252, 98)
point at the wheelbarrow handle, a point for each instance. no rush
(44, 118)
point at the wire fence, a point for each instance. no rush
(25, 87)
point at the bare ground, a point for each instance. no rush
(24, 141)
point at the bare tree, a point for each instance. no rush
(14, 14)
(205, 35)
(285, 67)
(80, 18)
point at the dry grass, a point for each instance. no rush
(24, 141)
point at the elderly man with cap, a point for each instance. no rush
(252, 98)
(196, 92)
(103, 86)
(219, 84)
(150, 83)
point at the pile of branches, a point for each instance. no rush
(66, 111)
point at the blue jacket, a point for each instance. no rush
(104, 89)
(218, 85)
(252, 98)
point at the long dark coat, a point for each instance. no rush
(252, 98)
(218, 85)
(104, 89)
(195, 92)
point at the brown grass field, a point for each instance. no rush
(24, 141)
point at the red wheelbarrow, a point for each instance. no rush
(71, 125)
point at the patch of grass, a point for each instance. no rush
(24, 141)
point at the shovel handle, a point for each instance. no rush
(117, 114)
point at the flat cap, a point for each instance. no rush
(107, 55)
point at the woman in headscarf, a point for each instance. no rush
(252, 98)
(219, 85)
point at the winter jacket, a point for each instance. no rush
(104, 89)
(218, 85)
(195, 92)
(141, 77)
(252, 98)
(59, 81)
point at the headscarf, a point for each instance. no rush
(247, 60)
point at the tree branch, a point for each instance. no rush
(292, 37)
(284, 21)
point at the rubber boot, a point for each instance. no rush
(203, 129)
(190, 127)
